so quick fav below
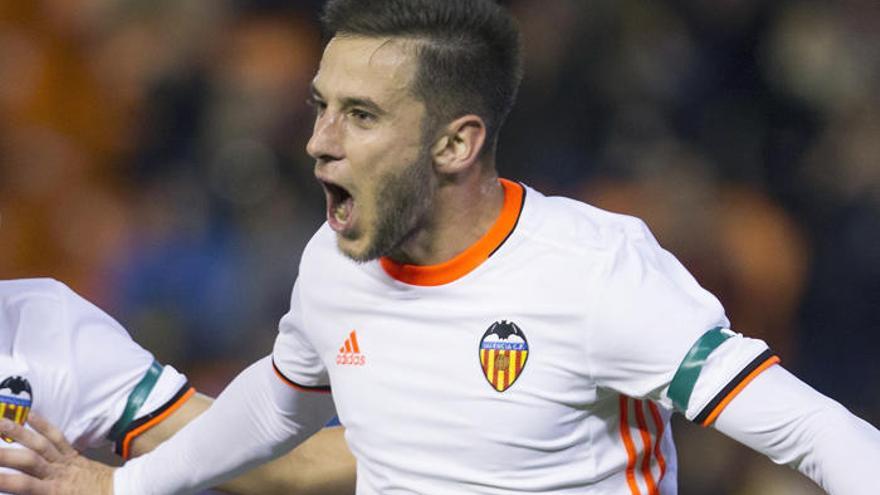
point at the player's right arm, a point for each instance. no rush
(257, 418)
(218, 444)
(267, 410)
(136, 409)
(322, 465)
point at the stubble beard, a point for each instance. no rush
(403, 202)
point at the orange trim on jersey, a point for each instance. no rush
(658, 452)
(629, 446)
(131, 435)
(739, 388)
(321, 389)
(470, 258)
(646, 441)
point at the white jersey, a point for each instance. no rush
(546, 358)
(70, 362)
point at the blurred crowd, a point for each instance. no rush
(152, 157)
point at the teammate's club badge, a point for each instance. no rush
(503, 354)
(15, 401)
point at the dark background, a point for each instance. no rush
(152, 157)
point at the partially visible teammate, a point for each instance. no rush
(75, 366)
(478, 337)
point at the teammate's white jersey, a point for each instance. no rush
(70, 362)
(546, 358)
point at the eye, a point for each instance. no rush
(362, 116)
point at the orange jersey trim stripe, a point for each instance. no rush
(629, 446)
(650, 441)
(739, 388)
(658, 452)
(470, 258)
(323, 389)
(646, 441)
(136, 432)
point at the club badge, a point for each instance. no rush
(15, 401)
(503, 354)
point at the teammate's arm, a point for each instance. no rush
(791, 423)
(322, 465)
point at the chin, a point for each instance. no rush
(356, 250)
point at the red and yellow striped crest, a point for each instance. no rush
(15, 401)
(503, 354)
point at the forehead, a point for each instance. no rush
(379, 68)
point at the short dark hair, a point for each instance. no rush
(468, 52)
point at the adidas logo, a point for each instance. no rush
(350, 352)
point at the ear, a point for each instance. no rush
(459, 144)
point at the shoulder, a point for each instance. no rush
(44, 294)
(33, 311)
(36, 290)
(580, 229)
(45, 316)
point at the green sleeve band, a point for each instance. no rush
(135, 400)
(682, 385)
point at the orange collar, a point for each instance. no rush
(470, 258)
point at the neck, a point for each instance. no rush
(465, 208)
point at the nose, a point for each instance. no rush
(326, 141)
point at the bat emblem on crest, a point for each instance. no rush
(504, 351)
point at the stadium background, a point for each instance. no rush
(152, 157)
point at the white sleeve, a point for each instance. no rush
(257, 418)
(294, 355)
(791, 423)
(108, 366)
(648, 315)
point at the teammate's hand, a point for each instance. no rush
(49, 465)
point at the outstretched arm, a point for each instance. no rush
(791, 423)
(255, 419)
(322, 465)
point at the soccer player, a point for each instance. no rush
(67, 360)
(478, 337)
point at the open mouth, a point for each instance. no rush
(340, 206)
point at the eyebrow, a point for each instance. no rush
(352, 101)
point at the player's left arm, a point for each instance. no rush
(785, 419)
(677, 349)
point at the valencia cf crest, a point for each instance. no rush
(503, 354)
(15, 401)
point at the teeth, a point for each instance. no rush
(342, 210)
(340, 213)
